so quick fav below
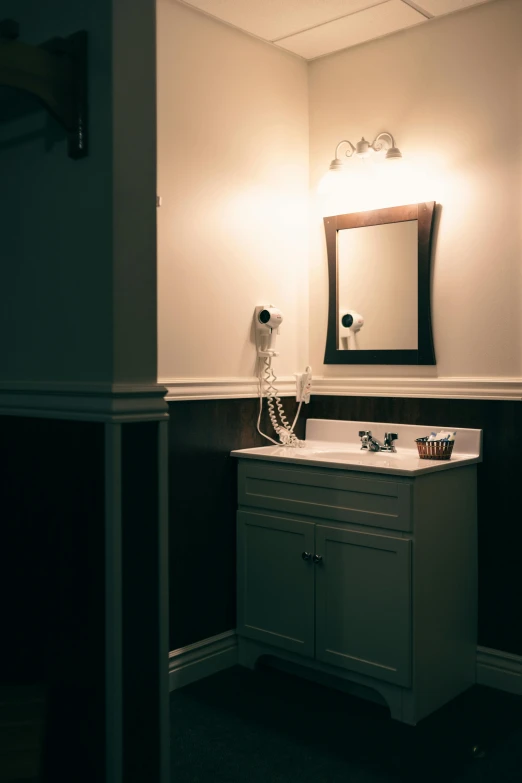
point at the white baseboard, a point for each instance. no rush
(495, 668)
(499, 670)
(202, 659)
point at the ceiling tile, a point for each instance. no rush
(439, 7)
(274, 19)
(354, 29)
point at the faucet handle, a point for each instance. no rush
(389, 437)
(364, 433)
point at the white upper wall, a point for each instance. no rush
(233, 127)
(233, 177)
(451, 93)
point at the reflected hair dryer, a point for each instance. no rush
(350, 323)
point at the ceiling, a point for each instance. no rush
(313, 28)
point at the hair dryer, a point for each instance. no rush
(267, 320)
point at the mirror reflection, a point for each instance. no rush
(377, 287)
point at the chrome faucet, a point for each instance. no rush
(369, 443)
(389, 438)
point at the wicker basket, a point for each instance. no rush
(434, 449)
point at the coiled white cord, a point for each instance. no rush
(285, 432)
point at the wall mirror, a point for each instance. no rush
(379, 308)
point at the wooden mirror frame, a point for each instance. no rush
(425, 353)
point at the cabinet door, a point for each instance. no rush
(363, 604)
(275, 585)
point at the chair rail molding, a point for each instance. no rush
(84, 401)
(222, 388)
(442, 388)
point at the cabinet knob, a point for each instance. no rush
(306, 555)
(318, 558)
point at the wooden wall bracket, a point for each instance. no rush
(55, 73)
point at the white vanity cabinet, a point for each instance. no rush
(368, 577)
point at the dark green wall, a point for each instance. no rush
(78, 237)
(56, 216)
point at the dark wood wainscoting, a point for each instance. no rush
(203, 503)
(202, 511)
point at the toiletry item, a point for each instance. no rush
(442, 435)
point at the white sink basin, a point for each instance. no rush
(337, 455)
(336, 444)
(360, 456)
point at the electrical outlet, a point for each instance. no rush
(303, 382)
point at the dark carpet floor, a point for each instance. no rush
(267, 726)
(21, 728)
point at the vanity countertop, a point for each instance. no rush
(336, 444)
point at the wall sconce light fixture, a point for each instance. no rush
(363, 149)
(334, 180)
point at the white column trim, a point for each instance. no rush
(113, 608)
(180, 389)
(84, 401)
(163, 586)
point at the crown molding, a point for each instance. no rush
(114, 402)
(180, 389)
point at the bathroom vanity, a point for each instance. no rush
(362, 565)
